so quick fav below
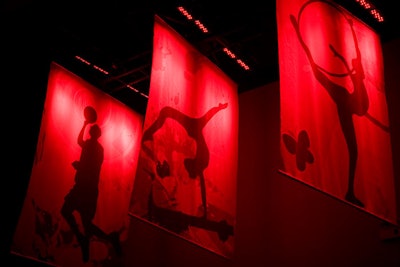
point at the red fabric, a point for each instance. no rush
(189, 146)
(102, 177)
(332, 82)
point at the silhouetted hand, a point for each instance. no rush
(75, 164)
(222, 106)
(294, 22)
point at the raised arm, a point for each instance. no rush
(81, 133)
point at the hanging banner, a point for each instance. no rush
(186, 178)
(334, 122)
(76, 207)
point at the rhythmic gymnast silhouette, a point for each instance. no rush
(347, 104)
(194, 128)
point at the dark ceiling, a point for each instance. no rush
(117, 36)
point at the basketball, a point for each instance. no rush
(90, 114)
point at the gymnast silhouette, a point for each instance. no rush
(194, 128)
(347, 104)
(83, 195)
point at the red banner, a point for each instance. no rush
(76, 206)
(186, 179)
(334, 122)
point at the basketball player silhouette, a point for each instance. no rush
(83, 195)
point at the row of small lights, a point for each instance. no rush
(87, 62)
(374, 12)
(198, 23)
(204, 29)
(84, 61)
(367, 5)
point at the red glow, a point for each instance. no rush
(182, 149)
(204, 29)
(331, 78)
(52, 174)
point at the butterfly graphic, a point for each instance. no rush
(300, 148)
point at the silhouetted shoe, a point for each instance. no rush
(351, 198)
(224, 230)
(114, 237)
(84, 243)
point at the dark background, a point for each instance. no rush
(117, 35)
